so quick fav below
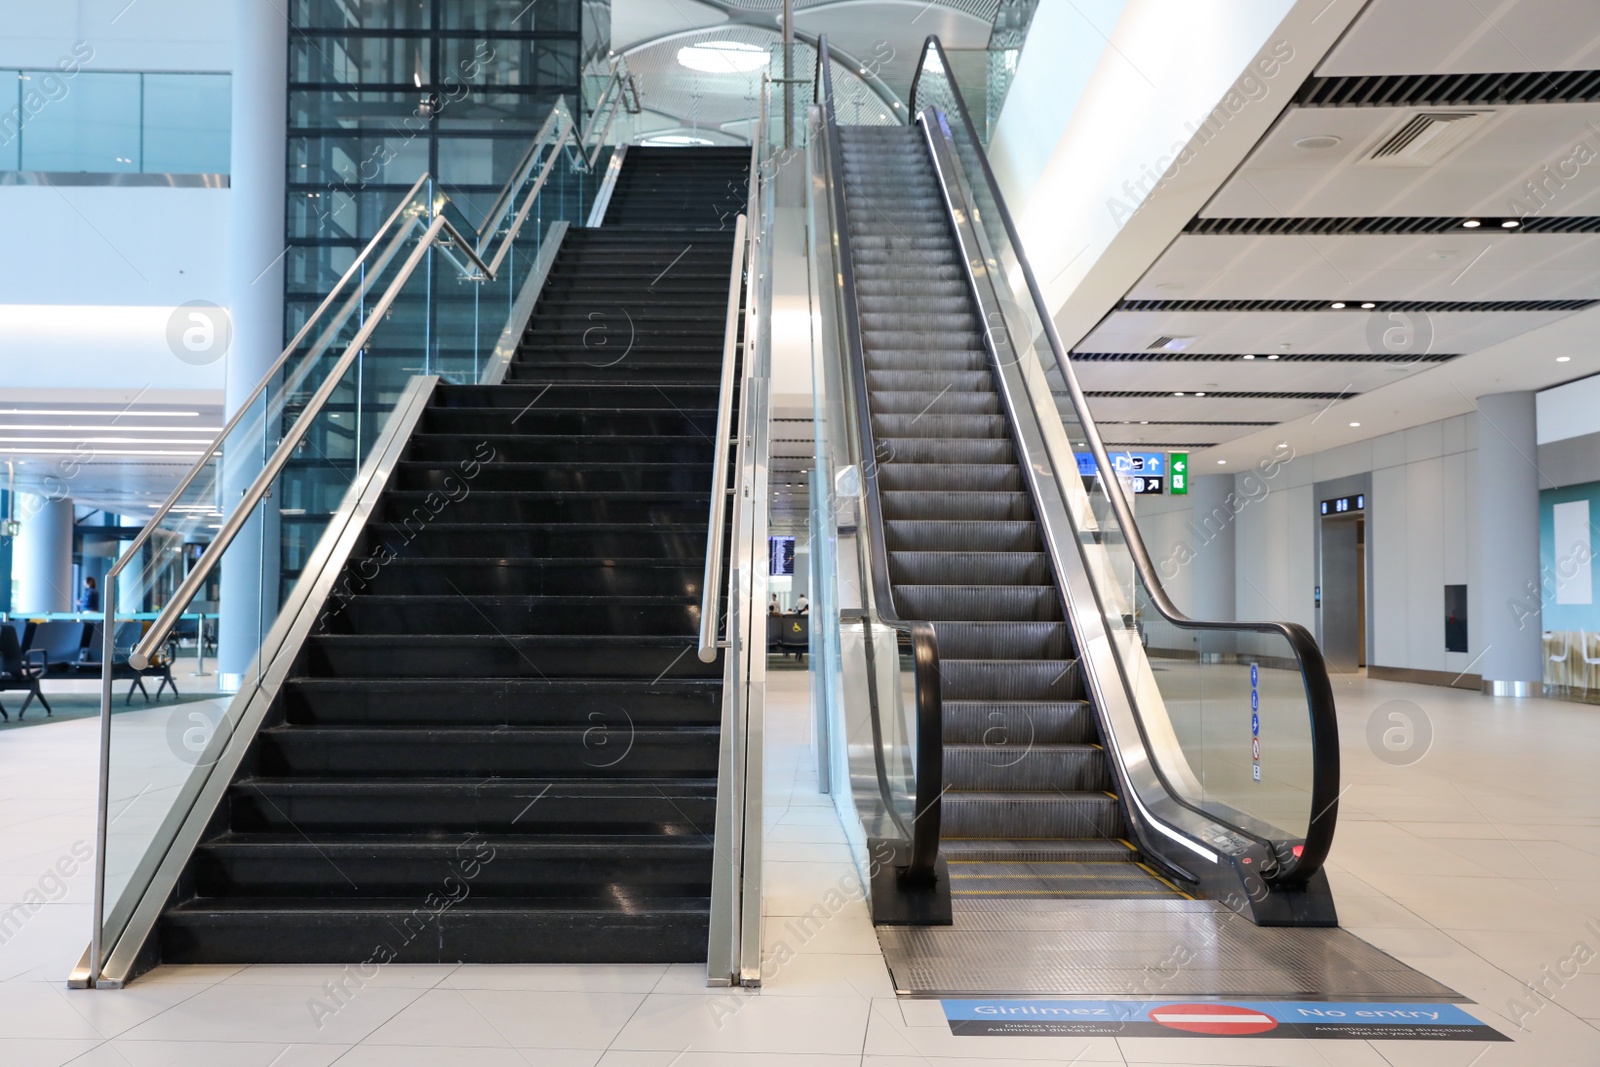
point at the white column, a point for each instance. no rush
(41, 556)
(1512, 658)
(255, 295)
(1215, 520)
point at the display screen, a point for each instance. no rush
(1342, 505)
(781, 552)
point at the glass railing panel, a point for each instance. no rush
(155, 754)
(1225, 712)
(91, 124)
(187, 123)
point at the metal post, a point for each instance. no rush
(200, 647)
(788, 73)
(108, 629)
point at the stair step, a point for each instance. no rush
(406, 930)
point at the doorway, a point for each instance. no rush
(1344, 591)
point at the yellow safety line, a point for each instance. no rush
(1152, 873)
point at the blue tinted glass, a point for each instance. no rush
(187, 118)
(10, 120)
(86, 122)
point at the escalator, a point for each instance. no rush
(1053, 775)
(497, 743)
(1038, 818)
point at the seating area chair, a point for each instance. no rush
(61, 641)
(122, 646)
(20, 671)
(794, 635)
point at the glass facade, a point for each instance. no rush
(114, 123)
(381, 93)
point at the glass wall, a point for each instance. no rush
(380, 93)
(114, 123)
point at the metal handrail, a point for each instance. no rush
(519, 174)
(922, 635)
(711, 583)
(155, 637)
(144, 535)
(614, 95)
(1292, 869)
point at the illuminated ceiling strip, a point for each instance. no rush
(97, 452)
(102, 413)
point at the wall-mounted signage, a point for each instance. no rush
(1178, 464)
(1146, 472)
(1344, 504)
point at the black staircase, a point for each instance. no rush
(499, 744)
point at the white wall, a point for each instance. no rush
(1420, 537)
(146, 35)
(113, 261)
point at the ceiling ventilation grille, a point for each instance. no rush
(1424, 138)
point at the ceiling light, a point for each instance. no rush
(1563, 359)
(98, 452)
(723, 57)
(1222, 463)
(1273, 356)
(1318, 142)
(1510, 224)
(1178, 393)
(1200, 394)
(1369, 304)
(1472, 224)
(1337, 304)
(676, 140)
(1247, 357)
(1355, 424)
(102, 429)
(101, 412)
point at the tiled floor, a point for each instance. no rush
(1479, 864)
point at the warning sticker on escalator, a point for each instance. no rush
(1361, 1020)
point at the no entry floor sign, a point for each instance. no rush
(1359, 1020)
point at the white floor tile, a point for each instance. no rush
(747, 1024)
(510, 1019)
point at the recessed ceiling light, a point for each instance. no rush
(1355, 424)
(1338, 304)
(1563, 359)
(1369, 304)
(723, 57)
(1248, 357)
(1472, 224)
(1222, 463)
(1317, 142)
(1200, 394)
(1144, 422)
(1178, 393)
(1510, 224)
(1273, 356)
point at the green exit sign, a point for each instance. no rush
(1178, 464)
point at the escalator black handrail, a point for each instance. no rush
(924, 640)
(1313, 851)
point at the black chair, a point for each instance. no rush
(60, 640)
(794, 635)
(122, 646)
(774, 633)
(20, 671)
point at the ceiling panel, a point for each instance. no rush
(1240, 375)
(1330, 331)
(1487, 175)
(1205, 410)
(1452, 36)
(1463, 265)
